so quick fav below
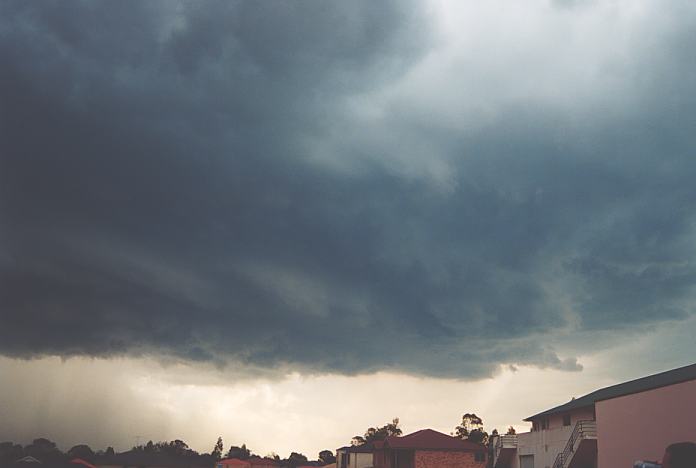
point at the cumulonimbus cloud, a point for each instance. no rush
(264, 186)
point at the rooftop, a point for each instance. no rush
(428, 439)
(671, 377)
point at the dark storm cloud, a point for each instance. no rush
(163, 190)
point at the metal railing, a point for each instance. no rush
(582, 430)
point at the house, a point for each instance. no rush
(355, 456)
(428, 449)
(609, 428)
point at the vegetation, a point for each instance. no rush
(378, 433)
(47, 452)
(471, 428)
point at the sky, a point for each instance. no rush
(283, 223)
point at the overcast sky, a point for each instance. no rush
(284, 222)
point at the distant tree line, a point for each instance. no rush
(470, 428)
(49, 454)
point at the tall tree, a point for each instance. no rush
(471, 428)
(217, 451)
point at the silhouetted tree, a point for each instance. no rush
(239, 452)
(326, 457)
(296, 459)
(81, 451)
(471, 428)
(378, 433)
(109, 451)
(44, 450)
(9, 452)
(217, 451)
(511, 431)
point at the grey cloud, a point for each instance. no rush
(164, 190)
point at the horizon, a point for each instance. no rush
(283, 224)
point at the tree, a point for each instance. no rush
(372, 434)
(239, 452)
(217, 451)
(511, 431)
(109, 451)
(296, 459)
(327, 457)
(81, 451)
(471, 428)
(44, 450)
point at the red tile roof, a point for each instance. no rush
(428, 439)
(262, 461)
(233, 461)
(80, 461)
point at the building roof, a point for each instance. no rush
(80, 461)
(262, 461)
(234, 461)
(651, 382)
(428, 439)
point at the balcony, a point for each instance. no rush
(505, 448)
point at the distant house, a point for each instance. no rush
(355, 456)
(428, 449)
(609, 428)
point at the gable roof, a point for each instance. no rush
(651, 382)
(428, 439)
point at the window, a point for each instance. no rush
(480, 456)
(566, 420)
(526, 461)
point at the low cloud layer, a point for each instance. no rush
(344, 188)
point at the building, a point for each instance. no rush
(428, 449)
(355, 456)
(609, 428)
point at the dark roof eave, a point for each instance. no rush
(643, 384)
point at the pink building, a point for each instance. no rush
(610, 428)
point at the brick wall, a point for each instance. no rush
(432, 459)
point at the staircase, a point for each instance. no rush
(505, 449)
(584, 430)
